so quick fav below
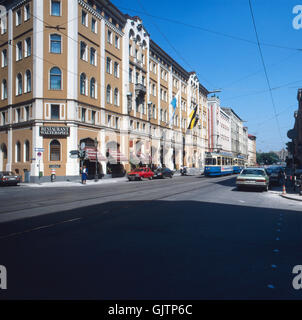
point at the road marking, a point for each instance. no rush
(241, 201)
(278, 230)
(271, 286)
(276, 250)
(277, 238)
(274, 266)
(38, 228)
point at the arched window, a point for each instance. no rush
(93, 56)
(4, 89)
(55, 79)
(108, 94)
(27, 81)
(4, 151)
(55, 150)
(116, 97)
(26, 151)
(19, 84)
(83, 83)
(92, 88)
(116, 69)
(18, 152)
(165, 116)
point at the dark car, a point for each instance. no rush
(8, 178)
(276, 174)
(163, 173)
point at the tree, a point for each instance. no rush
(267, 158)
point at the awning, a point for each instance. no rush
(116, 156)
(91, 154)
(145, 159)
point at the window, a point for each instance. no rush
(18, 152)
(117, 42)
(26, 113)
(108, 94)
(27, 81)
(116, 69)
(26, 151)
(4, 58)
(130, 50)
(83, 115)
(92, 88)
(55, 43)
(154, 90)
(55, 111)
(26, 12)
(93, 116)
(93, 25)
(18, 17)
(55, 150)
(92, 56)
(108, 65)
(55, 8)
(109, 120)
(131, 124)
(3, 25)
(116, 122)
(116, 97)
(161, 115)
(143, 80)
(18, 115)
(83, 51)
(3, 118)
(165, 119)
(27, 47)
(136, 77)
(83, 83)
(55, 79)
(84, 18)
(130, 75)
(19, 51)
(4, 89)
(109, 36)
(19, 84)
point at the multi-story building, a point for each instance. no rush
(252, 159)
(239, 134)
(219, 127)
(81, 73)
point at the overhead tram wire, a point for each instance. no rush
(175, 50)
(234, 37)
(265, 70)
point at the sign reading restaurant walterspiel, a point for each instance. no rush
(54, 131)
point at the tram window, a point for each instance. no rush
(209, 161)
(219, 161)
(223, 161)
(214, 162)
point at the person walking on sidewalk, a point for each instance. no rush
(84, 175)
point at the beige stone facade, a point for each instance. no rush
(82, 71)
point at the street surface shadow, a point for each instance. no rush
(152, 250)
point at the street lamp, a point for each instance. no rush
(96, 178)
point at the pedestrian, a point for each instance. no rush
(84, 175)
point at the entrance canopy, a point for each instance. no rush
(115, 156)
(91, 154)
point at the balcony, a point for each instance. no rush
(140, 90)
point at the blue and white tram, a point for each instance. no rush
(238, 164)
(218, 164)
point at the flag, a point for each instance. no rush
(174, 104)
(193, 118)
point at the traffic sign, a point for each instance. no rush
(83, 145)
(39, 149)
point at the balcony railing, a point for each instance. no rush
(140, 89)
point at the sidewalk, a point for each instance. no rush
(291, 194)
(78, 183)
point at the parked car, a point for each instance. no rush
(140, 173)
(163, 173)
(256, 178)
(276, 174)
(9, 178)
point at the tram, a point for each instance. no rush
(218, 164)
(238, 164)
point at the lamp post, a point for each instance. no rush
(96, 178)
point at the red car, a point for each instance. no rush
(140, 173)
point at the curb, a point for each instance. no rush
(290, 198)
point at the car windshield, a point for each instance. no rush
(253, 172)
(6, 173)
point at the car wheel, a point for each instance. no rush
(171, 176)
(150, 178)
(266, 188)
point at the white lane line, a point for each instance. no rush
(38, 228)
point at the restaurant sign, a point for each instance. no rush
(54, 131)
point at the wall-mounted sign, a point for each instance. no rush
(54, 166)
(54, 131)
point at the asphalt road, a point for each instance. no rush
(180, 238)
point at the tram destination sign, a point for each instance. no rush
(54, 131)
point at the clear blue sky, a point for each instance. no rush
(235, 66)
